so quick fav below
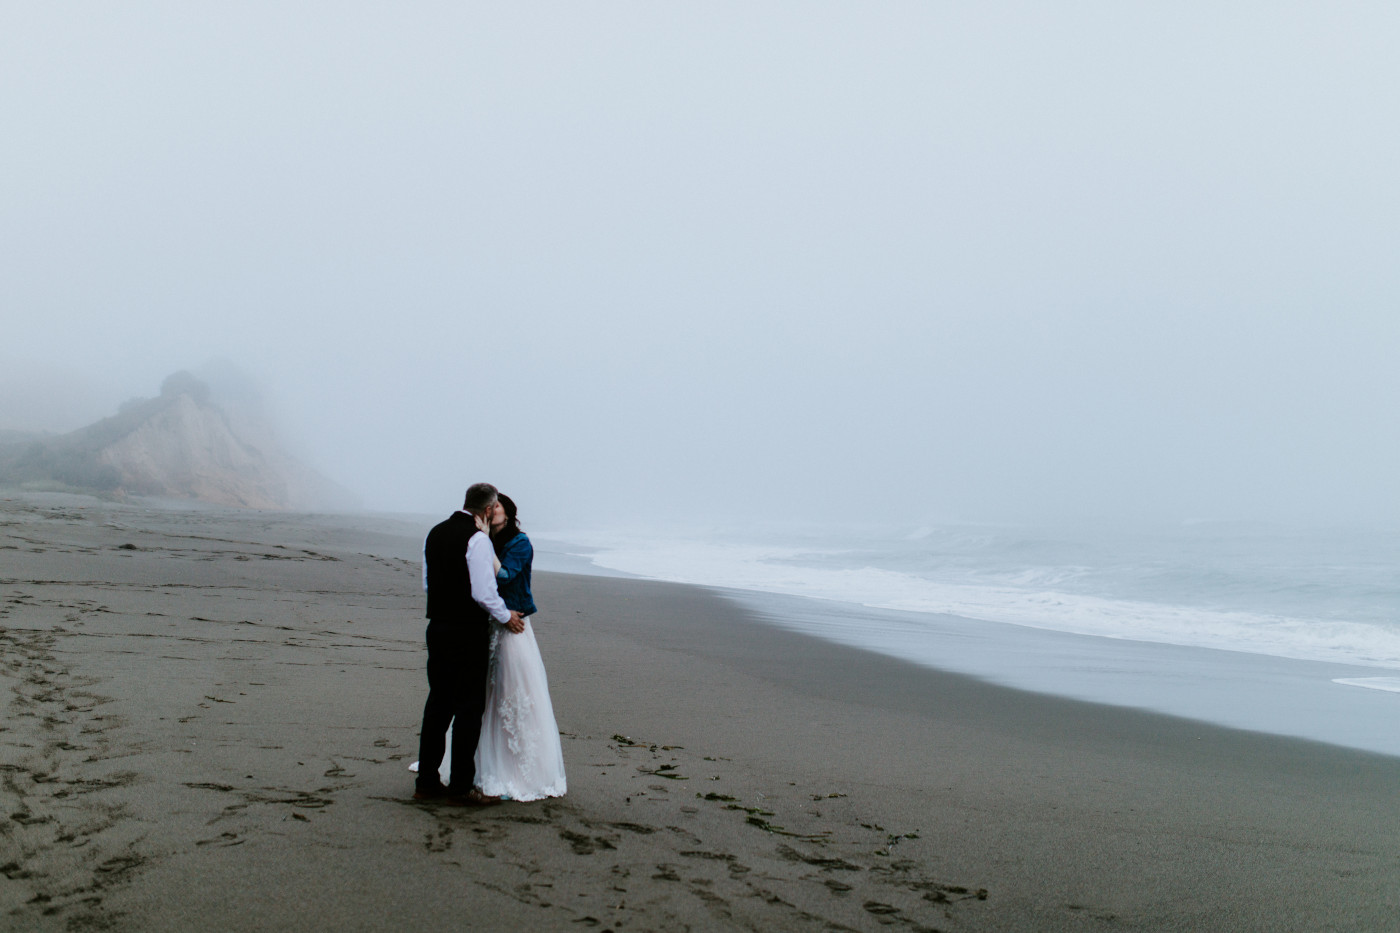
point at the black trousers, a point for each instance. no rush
(458, 654)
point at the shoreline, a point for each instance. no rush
(1321, 701)
(211, 714)
(1285, 697)
(1135, 817)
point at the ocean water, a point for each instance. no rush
(1266, 627)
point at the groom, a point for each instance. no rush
(459, 576)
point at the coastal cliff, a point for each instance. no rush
(181, 445)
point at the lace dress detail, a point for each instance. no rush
(519, 756)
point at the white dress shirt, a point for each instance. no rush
(481, 568)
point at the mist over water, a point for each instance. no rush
(1263, 627)
(1311, 594)
(735, 262)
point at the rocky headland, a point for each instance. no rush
(182, 444)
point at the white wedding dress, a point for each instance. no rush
(519, 756)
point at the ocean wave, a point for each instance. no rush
(1030, 597)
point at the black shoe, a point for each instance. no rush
(472, 798)
(431, 793)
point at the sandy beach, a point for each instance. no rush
(209, 716)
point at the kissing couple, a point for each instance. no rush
(488, 698)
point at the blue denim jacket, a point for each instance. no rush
(513, 579)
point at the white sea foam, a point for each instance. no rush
(1033, 596)
(1389, 684)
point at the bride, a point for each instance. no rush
(519, 756)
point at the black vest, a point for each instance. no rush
(449, 583)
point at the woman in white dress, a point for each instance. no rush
(519, 756)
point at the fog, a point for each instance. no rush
(898, 261)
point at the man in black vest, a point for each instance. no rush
(460, 578)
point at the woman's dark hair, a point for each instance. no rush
(511, 529)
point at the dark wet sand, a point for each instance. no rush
(209, 717)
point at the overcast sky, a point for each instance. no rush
(918, 261)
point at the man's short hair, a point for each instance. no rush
(480, 497)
